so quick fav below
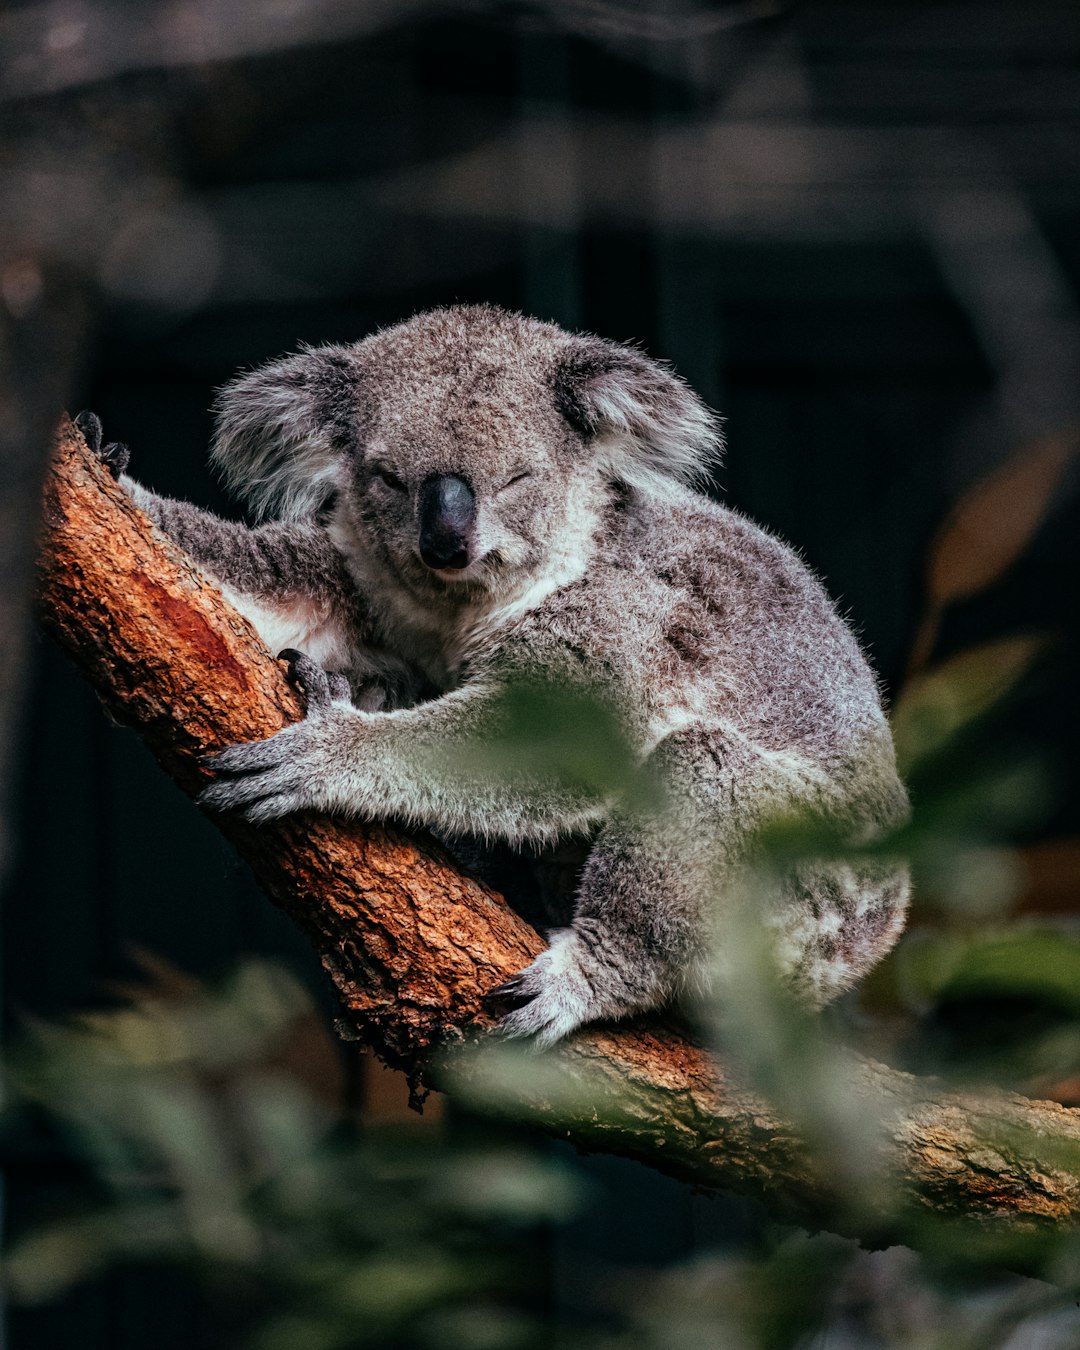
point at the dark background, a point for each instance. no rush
(854, 228)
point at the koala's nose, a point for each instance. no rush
(447, 515)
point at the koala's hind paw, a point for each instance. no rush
(321, 688)
(115, 455)
(554, 995)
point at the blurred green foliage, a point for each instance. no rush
(205, 1151)
(569, 736)
(206, 1148)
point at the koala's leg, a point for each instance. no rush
(832, 922)
(640, 929)
(652, 897)
(638, 935)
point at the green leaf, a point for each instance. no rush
(568, 737)
(1033, 962)
(934, 707)
(995, 520)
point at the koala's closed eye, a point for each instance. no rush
(517, 478)
(390, 480)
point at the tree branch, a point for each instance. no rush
(412, 946)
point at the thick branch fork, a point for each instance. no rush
(413, 946)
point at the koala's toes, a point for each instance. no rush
(89, 424)
(257, 795)
(250, 757)
(308, 676)
(320, 688)
(115, 456)
(544, 1020)
(257, 805)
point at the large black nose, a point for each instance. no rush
(447, 513)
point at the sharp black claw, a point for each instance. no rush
(507, 987)
(89, 424)
(115, 457)
(511, 993)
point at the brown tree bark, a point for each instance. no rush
(413, 946)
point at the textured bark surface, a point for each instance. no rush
(412, 946)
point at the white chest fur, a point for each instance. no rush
(301, 623)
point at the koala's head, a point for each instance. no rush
(463, 445)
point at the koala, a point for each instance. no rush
(472, 499)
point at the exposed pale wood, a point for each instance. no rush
(412, 946)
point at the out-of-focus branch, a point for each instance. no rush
(412, 946)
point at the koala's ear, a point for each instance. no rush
(283, 432)
(643, 417)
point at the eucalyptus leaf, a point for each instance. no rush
(938, 704)
(992, 524)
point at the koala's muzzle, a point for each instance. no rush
(447, 515)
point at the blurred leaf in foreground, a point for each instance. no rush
(569, 737)
(1024, 959)
(993, 523)
(824, 1293)
(205, 1152)
(937, 705)
(988, 529)
(1049, 881)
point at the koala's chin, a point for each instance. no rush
(562, 468)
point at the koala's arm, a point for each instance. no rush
(274, 562)
(286, 578)
(274, 565)
(423, 765)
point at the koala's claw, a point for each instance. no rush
(293, 770)
(321, 688)
(512, 993)
(115, 456)
(89, 423)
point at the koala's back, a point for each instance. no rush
(700, 618)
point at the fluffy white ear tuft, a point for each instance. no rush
(638, 413)
(284, 431)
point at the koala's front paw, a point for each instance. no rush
(292, 770)
(295, 770)
(265, 780)
(554, 992)
(115, 455)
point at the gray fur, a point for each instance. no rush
(737, 682)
